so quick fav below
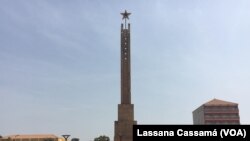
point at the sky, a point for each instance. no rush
(60, 62)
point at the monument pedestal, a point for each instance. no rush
(124, 125)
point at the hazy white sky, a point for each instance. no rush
(60, 67)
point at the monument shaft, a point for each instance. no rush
(125, 66)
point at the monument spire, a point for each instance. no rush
(125, 62)
(124, 125)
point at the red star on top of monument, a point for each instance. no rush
(125, 15)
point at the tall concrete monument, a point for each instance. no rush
(124, 125)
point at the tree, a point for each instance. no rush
(102, 138)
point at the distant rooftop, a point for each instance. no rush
(217, 102)
(31, 136)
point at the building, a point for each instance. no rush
(124, 125)
(217, 112)
(35, 137)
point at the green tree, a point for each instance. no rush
(102, 138)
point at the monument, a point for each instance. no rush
(124, 125)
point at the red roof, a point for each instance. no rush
(217, 102)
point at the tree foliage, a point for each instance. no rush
(102, 138)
